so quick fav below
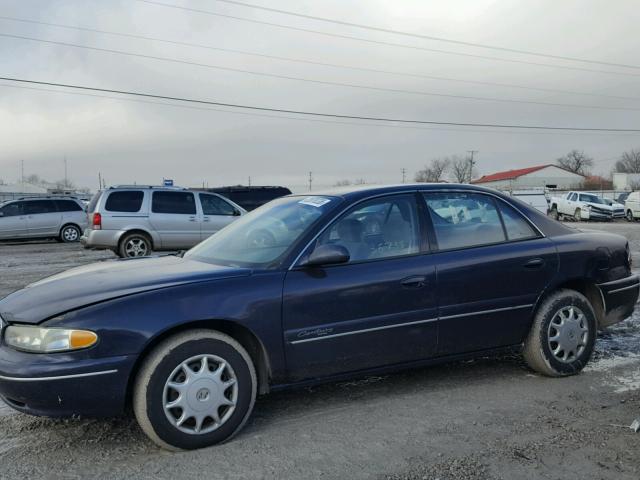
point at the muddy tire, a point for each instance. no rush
(562, 335)
(134, 245)
(577, 215)
(554, 213)
(194, 390)
(629, 216)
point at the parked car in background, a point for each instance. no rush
(250, 198)
(59, 217)
(349, 283)
(134, 220)
(618, 208)
(632, 206)
(580, 206)
(534, 197)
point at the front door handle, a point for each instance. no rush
(416, 281)
(534, 263)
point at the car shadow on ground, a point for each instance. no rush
(309, 405)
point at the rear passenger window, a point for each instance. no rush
(39, 206)
(68, 206)
(516, 226)
(464, 220)
(129, 201)
(173, 202)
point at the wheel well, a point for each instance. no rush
(554, 205)
(241, 334)
(70, 224)
(139, 232)
(591, 291)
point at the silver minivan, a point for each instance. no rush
(134, 220)
(62, 218)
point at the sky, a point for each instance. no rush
(145, 141)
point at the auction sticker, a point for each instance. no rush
(315, 201)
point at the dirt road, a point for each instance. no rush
(484, 419)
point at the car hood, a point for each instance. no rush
(603, 206)
(98, 282)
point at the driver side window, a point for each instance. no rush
(12, 209)
(381, 228)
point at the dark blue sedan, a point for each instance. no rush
(306, 289)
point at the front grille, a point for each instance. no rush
(600, 211)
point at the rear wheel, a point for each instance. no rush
(629, 216)
(195, 389)
(562, 336)
(69, 234)
(554, 213)
(134, 245)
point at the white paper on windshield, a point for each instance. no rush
(314, 201)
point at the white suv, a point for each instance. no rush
(133, 220)
(60, 217)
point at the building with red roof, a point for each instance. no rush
(541, 176)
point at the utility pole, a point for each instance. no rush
(22, 173)
(249, 180)
(310, 180)
(66, 180)
(99, 181)
(404, 175)
(472, 163)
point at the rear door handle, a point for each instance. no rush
(534, 263)
(416, 281)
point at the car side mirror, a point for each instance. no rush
(236, 212)
(327, 255)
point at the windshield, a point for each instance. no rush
(587, 197)
(263, 237)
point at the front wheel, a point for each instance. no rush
(578, 215)
(196, 389)
(562, 336)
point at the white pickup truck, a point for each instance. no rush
(580, 206)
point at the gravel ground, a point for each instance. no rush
(489, 418)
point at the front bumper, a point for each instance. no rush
(591, 214)
(61, 385)
(620, 297)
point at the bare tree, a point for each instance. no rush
(629, 162)
(461, 169)
(434, 171)
(576, 161)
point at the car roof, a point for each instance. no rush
(355, 192)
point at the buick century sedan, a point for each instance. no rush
(306, 289)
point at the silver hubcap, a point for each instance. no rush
(70, 234)
(200, 394)
(136, 247)
(568, 334)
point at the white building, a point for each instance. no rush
(542, 176)
(626, 181)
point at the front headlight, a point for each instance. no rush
(47, 340)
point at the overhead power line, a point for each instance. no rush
(424, 37)
(320, 114)
(313, 62)
(321, 82)
(304, 118)
(380, 42)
